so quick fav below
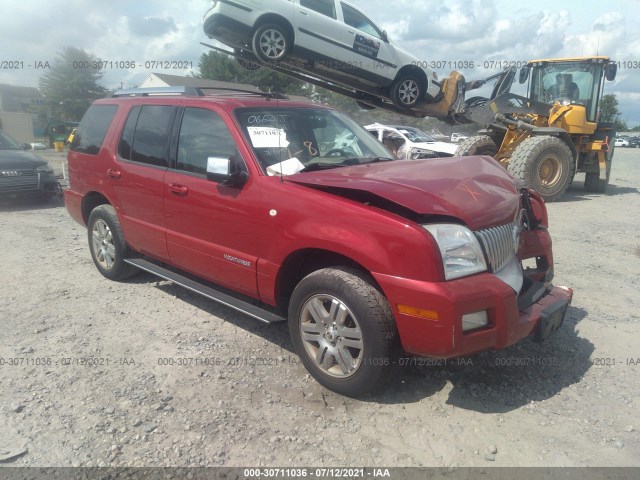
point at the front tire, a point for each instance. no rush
(545, 164)
(343, 329)
(480, 145)
(107, 245)
(271, 43)
(407, 91)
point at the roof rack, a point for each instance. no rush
(157, 91)
(236, 91)
(193, 92)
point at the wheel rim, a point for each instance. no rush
(272, 44)
(549, 171)
(103, 247)
(408, 92)
(331, 336)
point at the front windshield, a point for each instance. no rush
(574, 82)
(7, 143)
(415, 135)
(292, 140)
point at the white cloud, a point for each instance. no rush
(472, 30)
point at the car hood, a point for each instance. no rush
(476, 190)
(442, 147)
(19, 160)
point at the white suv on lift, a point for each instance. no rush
(333, 40)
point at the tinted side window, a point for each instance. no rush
(203, 134)
(151, 138)
(126, 141)
(325, 7)
(93, 128)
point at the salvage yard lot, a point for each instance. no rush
(144, 373)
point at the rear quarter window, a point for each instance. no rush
(93, 128)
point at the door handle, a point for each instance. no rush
(303, 13)
(176, 189)
(114, 173)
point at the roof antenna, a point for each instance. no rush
(275, 83)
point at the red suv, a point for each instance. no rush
(290, 210)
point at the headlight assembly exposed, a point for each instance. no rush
(460, 250)
(421, 153)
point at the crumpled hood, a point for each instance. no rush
(476, 190)
(19, 160)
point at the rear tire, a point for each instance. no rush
(480, 145)
(545, 164)
(407, 91)
(343, 329)
(107, 245)
(271, 43)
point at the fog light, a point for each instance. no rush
(471, 321)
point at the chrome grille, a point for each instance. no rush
(499, 244)
(18, 180)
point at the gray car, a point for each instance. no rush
(23, 173)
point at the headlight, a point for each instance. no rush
(461, 253)
(45, 169)
(419, 152)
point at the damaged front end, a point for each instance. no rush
(538, 296)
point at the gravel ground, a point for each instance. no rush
(91, 382)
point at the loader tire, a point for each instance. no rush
(480, 145)
(545, 164)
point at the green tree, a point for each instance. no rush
(609, 112)
(609, 108)
(72, 84)
(215, 65)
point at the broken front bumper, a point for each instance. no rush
(443, 336)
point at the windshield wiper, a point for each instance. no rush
(362, 161)
(314, 167)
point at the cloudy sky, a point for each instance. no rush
(450, 30)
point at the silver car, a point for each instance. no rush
(327, 39)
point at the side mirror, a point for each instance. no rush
(219, 171)
(236, 179)
(524, 74)
(610, 71)
(385, 36)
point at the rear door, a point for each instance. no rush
(138, 176)
(319, 30)
(211, 228)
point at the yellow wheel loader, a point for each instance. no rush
(546, 137)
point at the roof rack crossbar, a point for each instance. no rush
(235, 91)
(157, 91)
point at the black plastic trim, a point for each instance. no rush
(211, 293)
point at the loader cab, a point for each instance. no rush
(570, 82)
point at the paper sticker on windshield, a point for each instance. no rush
(288, 167)
(267, 137)
(366, 46)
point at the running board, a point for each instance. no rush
(206, 291)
